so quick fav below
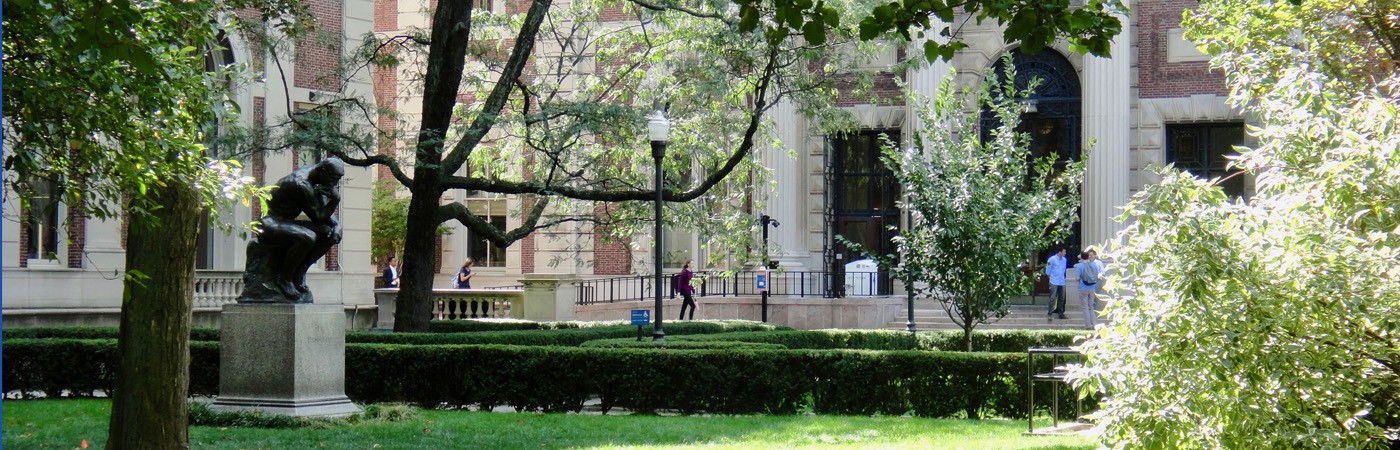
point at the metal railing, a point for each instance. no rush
(780, 284)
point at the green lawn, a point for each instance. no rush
(64, 424)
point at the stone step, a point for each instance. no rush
(1023, 317)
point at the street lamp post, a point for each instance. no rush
(764, 221)
(659, 130)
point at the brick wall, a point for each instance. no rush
(24, 237)
(77, 236)
(1158, 78)
(318, 55)
(883, 91)
(386, 15)
(528, 243)
(258, 166)
(611, 256)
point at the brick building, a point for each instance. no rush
(1153, 102)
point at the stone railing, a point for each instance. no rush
(545, 297)
(457, 304)
(214, 289)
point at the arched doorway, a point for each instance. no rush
(1053, 119)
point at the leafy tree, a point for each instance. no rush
(388, 218)
(112, 100)
(1270, 323)
(978, 206)
(1089, 27)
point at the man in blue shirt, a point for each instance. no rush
(1055, 269)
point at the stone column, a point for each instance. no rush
(1107, 107)
(924, 82)
(103, 245)
(549, 297)
(787, 199)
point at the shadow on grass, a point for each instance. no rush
(66, 423)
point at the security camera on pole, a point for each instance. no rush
(762, 280)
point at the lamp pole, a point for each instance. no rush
(659, 130)
(764, 221)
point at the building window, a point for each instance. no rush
(1204, 151)
(677, 247)
(43, 221)
(481, 251)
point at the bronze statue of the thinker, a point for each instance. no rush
(287, 245)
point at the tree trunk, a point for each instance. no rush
(414, 306)
(149, 405)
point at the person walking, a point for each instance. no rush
(687, 291)
(1088, 274)
(464, 276)
(1055, 269)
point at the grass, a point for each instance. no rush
(65, 424)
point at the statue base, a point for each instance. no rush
(286, 359)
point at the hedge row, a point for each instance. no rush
(945, 340)
(475, 325)
(730, 381)
(568, 337)
(576, 333)
(677, 344)
(68, 332)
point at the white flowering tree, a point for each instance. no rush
(979, 206)
(1272, 323)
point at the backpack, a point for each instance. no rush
(1091, 273)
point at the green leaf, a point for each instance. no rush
(814, 33)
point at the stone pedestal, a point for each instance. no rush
(284, 359)
(549, 297)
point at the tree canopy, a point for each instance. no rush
(979, 205)
(1088, 27)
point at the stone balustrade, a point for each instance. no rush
(214, 289)
(457, 304)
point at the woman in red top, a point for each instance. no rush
(687, 292)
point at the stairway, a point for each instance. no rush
(931, 316)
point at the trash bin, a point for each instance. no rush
(862, 278)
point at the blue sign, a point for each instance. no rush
(641, 317)
(760, 281)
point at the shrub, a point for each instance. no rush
(724, 381)
(196, 334)
(562, 336)
(679, 345)
(945, 340)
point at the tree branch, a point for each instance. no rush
(500, 93)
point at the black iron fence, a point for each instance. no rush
(780, 284)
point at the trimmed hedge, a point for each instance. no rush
(679, 345)
(196, 334)
(567, 337)
(730, 381)
(944, 340)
